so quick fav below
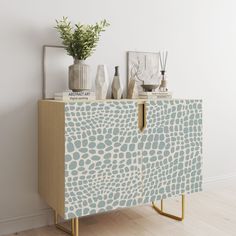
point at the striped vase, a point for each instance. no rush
(79, 78)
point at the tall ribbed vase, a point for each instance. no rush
(79, 78)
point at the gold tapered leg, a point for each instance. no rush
(74, 226)
(161, 211)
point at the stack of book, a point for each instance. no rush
(155, 95)
(70, 96)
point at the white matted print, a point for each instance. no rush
(143, 67)
(56, 63)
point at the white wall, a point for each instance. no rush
(200, 36)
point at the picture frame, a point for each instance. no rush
(143, 67)
(55, 65)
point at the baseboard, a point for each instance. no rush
(38, 219)
(44, 217)
(219, 178)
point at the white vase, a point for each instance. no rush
(102, 82)
(79, 78)
(117, 92)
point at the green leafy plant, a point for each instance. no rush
(80, 41)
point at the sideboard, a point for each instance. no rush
(99, 156)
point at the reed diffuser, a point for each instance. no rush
(163, 82)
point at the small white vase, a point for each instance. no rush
(102, 82)
(79, 78)
(117, 92)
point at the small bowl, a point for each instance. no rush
(149, 87)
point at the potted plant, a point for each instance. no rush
(80, 42)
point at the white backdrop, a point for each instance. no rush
(200, 36)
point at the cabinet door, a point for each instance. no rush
(172, 149)
(102, 165)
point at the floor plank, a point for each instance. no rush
(212, 212)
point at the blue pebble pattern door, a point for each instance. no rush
(172, 149)
(102, 166)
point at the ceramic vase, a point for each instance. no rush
(79, 78)
(117, 92)
(101, 82)
(132, 89)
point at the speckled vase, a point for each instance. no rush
(79, 78)
(132, 89)
(117, 92)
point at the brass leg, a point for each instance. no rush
(161, 211)
(76, 227)
(62, 228)
(73, 227)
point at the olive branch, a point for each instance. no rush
(81, 40)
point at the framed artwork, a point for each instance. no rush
(55, 70)
(143, 67)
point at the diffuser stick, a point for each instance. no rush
(165, 60)
(161, 61)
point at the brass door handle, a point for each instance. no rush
(142, 116)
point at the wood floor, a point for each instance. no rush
(212, 212)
